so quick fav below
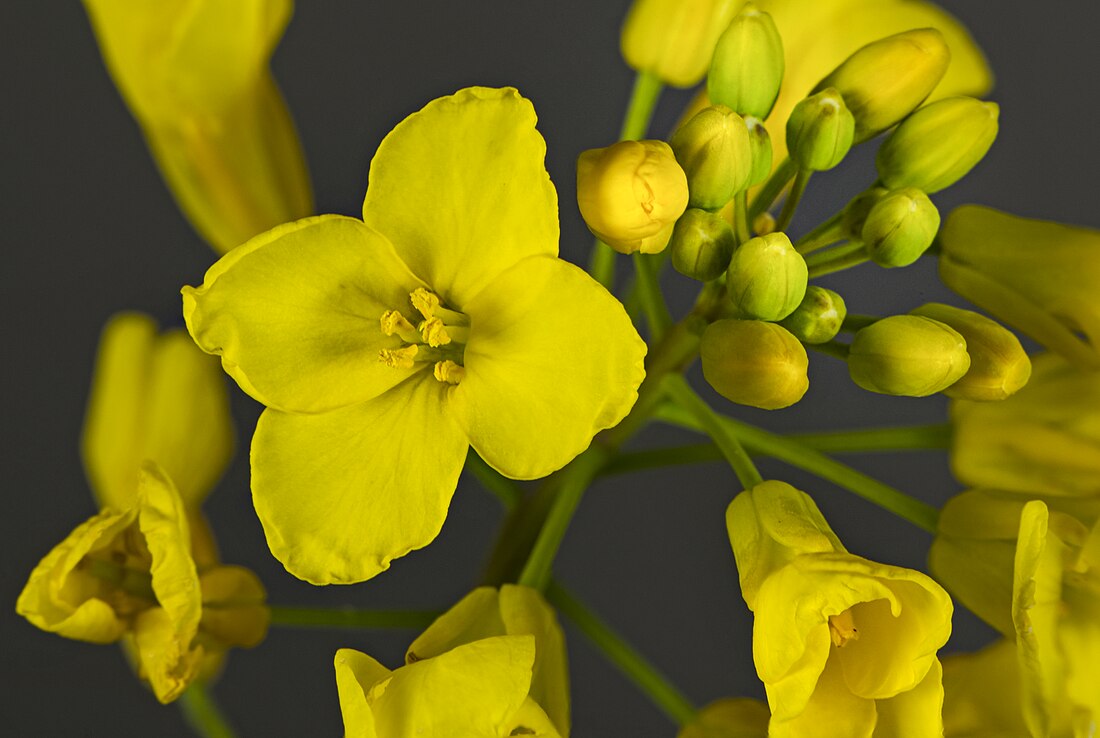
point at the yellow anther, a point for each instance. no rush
(394, 323)
(434, 332)
(425, 302)
(842, 628)
(449, 372)
(402, 358)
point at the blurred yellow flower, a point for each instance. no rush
(195, 75)
(981, 694)
(846, 647)
(384, 349)
(674, 39)
(731, 717)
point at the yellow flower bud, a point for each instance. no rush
(714, 150)
(702, 244)
(900, 227)
(998, 363)
(1044, 439)
(818, 317)
(729, 717)
(674, 39)
(819, 131)
(766, 278)
(747, 68)
(856, 212)
(1034, 275)
(936, 146)
(761, 144)
(754, 363)
(631, 193)
(887, 79)
(907, 355)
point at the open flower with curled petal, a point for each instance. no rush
(384, 348)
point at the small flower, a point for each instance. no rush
(674, 39)
(846, 647)
(492, 666)
(384, 349)
(196, 77)
(730, 717)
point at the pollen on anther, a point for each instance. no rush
(434, 332)
(425, 302)
(449, 372)
(402, 358)
(394, 323)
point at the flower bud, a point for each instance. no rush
(766, 278)
(674, 39)
(729, 717)
(887, 79)
(630, 194)
(856, 212)
(818, 317)
(713, 148)
(819, 131)
(907, 355)
(936, 146)
(900, 227)
(747, 67)
(999, 366)
(754, 363)
(760, 142)
(702, 244)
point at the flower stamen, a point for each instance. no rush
(842, 628)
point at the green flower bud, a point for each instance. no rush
(747, 67)
(819, 131)
(999, 366)
(713, 148)
(754, 363)
(856, 211)
(761, 144)
(907, 355)
(887, 79)
(937, 145)
(900, 227)
(766, 278)
(702, 244)
(763, 224)
(674, 39)
(818, 318)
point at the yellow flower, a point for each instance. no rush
(1044, 439)
(1031, 568)
(1035, 275)
(130, 574)
(730, 717)
(493, 666)
(384, 349)
(154, 397)
(846, 647)
(981, 694)
(195, 75)
(674, 39)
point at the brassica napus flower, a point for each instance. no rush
(846, 647)
(384, 348)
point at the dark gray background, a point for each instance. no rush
(88, 230)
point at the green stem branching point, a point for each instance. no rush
(202, 713)
(681, 392)
(798, 189)
(792, 452)
(649, 293)
(639, 111)
(348, 617)
(772, 188)
(620, 653)
(823, 235)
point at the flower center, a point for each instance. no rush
(842, 628)
(439, 338)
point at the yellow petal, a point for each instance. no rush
(59, 598)
(461, 190)
(154, 397)
(167, 663)
(234, 612)
(524, 611)
(915, 713)
(552, 360)
(342, 493)
(831, 712)
(294, 314)
(981, 694)
(531, 720)
(472, 690)
(475, 616)
(355, 674)
(730, 717)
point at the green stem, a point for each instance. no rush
(505, 490)
(823, 235)
(347, 617)
(854, 322)
(839, 264)
(202, 713)
(842, 249)
(639, 111)
(620, 653)
(832, 348)
(772, 188)
(680, 391)
(649, 292)
(572, 485)
(918, 513)
(791, 205)
(742, 227)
